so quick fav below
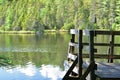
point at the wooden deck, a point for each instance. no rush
(96, 70)
(106, 71)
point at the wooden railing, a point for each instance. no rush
(78, 56)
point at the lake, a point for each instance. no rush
(33, 57)
(38, 57)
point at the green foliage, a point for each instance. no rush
(68, 26)
(59, 14)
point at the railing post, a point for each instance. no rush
(91, 53)
(80, 53)
(111, 52)
(72, 40)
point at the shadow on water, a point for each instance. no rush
(5, 61)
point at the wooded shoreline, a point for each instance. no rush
(30, 32)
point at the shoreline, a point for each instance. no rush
(31, 32)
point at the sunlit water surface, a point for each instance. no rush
(38, 57)
(33, 57)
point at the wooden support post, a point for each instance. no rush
(91, 53)
(70, 69)
(110, 60)
(90, 67)
(80, 61)
(72, 40)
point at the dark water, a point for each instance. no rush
(33, 57)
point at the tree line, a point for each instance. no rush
(16, 15)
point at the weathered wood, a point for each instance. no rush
(70, 69)
(98, 32)
(72, 56)
(73, 31)
(73, 44)
(111, 49)
(80, 61)
(67, 65)
(98, 56)
(106, 71)
(91, 51)
(102, 44)
(101, 56)
(89, 68)
(101, 32)
(71, 47)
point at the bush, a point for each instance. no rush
(68, 26)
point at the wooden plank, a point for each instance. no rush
(108, 78)
(80, 59)
(106, 71)
(101, 32)
(73, 31)
(71, 68)
(86, 47)
(111, 49)
(98, 32)
(101, 56)
(89, 68)
(98, 56)
(73, 44)
(102, 44)
(68, 64)
(91, 51)
(72, 56)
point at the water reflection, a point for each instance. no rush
(33, 58)
(31, 72)
(24, 49)
(52, 72)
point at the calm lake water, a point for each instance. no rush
(37, 57)
(33, 57)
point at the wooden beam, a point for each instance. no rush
(91, 51)
(107, 32)
(80, 58)
(98, 56)
(70, 69)
(90, 68)
(102, 44)
(101, 56)
(73, 31)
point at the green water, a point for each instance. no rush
(38, 57)
(33, 57)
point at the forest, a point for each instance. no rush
(31, 15)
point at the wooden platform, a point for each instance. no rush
(106, 71)
(93, 69)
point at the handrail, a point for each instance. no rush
(107, 32)
(103, 44)
(101, 32)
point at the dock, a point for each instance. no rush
(79, 69)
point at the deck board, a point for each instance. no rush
(107, 70)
